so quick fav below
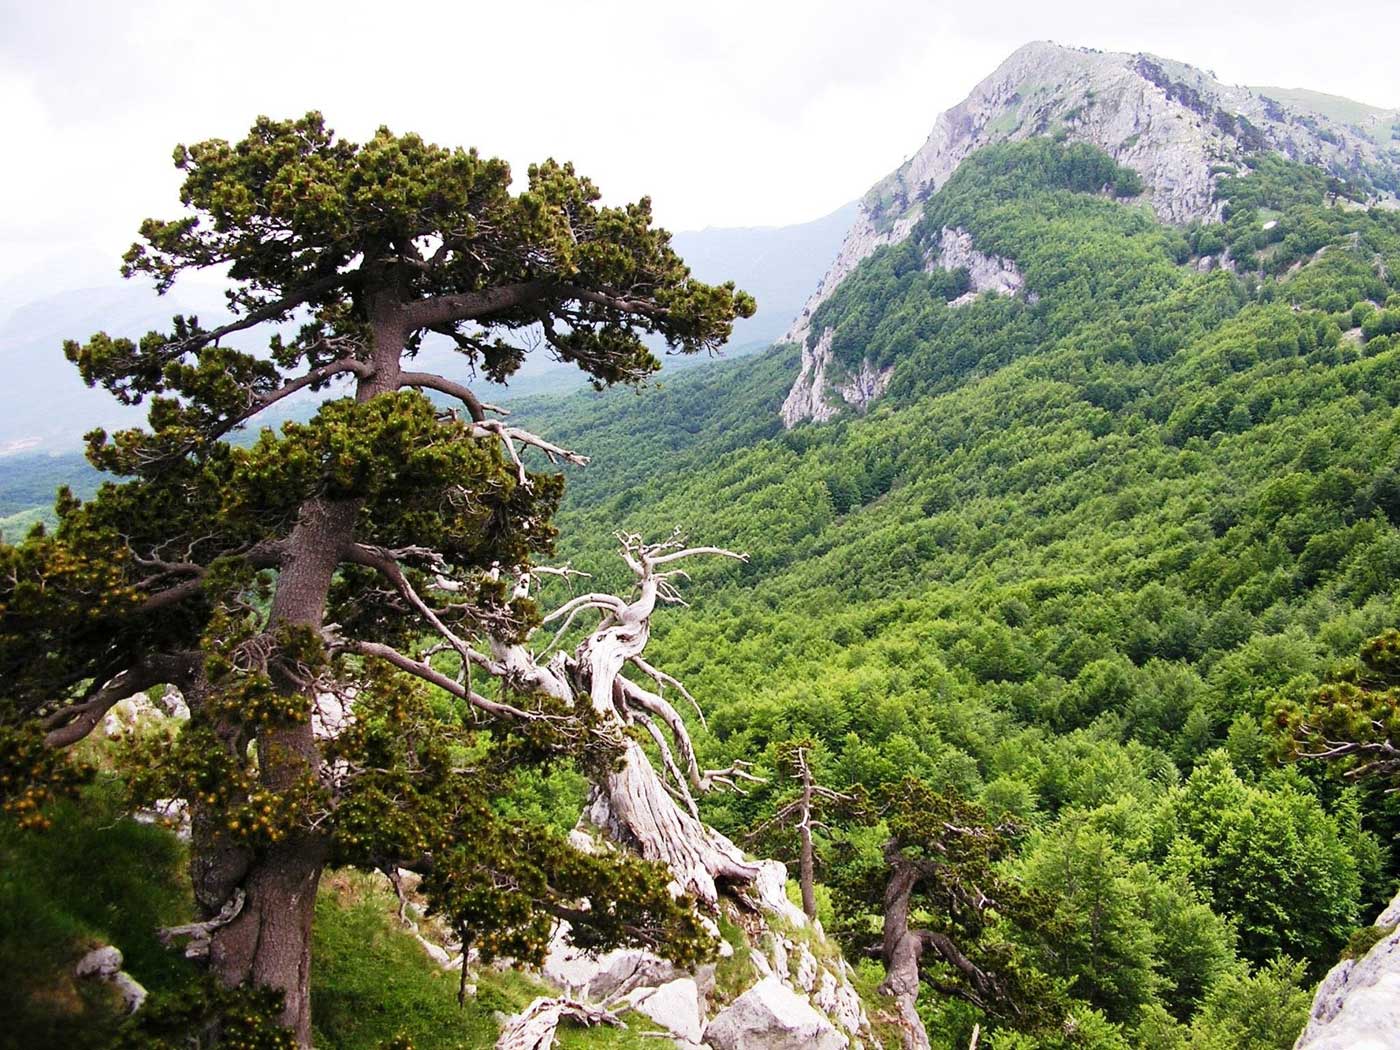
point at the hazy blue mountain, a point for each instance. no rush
(45, 405)
(46, 408)
(777, 264)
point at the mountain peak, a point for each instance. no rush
(1176, 125)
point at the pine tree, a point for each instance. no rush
(287, 586)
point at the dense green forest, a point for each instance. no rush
(1068, 567)
(27, 487)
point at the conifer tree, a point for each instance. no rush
(287, 586)
(943, 910)
(1353, 720)
(804, 811)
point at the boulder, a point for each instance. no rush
(174, 703)
(675, 1006)
(599, 978)
(769, 889)
(105, 964)
(771, 1016)
(1357, 1006)
(806, 969)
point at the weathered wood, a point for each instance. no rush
(535, 1028)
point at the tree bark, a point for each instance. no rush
(269, 943)
(806, 863)
(632, 804)
(633, 808)
(901, 949)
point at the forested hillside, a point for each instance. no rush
(1068, 566)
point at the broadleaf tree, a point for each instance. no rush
(332, 598)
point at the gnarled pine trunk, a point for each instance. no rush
(632, 804)
(901, 949)
(633, 807)
(269, 942)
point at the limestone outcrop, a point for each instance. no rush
(786, 986)
(821, 381)
(1357, 1006)
(104, 963)
(823, 387)
(808, 397)
(987, 273)
(1177, 126)
(771, 1016)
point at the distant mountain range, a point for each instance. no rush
(45, 407)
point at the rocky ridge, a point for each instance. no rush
(1357, 1006)
(1177, 126)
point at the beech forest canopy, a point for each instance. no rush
(1071, 566)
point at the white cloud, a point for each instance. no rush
(732, 112)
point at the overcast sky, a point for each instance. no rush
(727, 112)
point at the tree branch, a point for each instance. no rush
(316, 375)
(445, 309)
(429, 674)
(266, 554)
(256, 317)
(70, 724)
(443, 385)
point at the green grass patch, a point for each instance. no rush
(1364, 939)
(94, 877)
(372, 982)
(735, 973)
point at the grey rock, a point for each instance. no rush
(102, 962)
(811, 396)
(807, 398)
(675, 1006)
(771, 1016)
(600, 977)
(172, 813)
(105, 964)
(805, 970)
(988, 273)
(174, 703)
(1357, 1006)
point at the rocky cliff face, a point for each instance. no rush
(1357, 1006)
(821, 380)
(1177, 126)
(987, 273)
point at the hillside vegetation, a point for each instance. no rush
(1067, 566)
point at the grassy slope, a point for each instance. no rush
(1340, 109)
(99, 878)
